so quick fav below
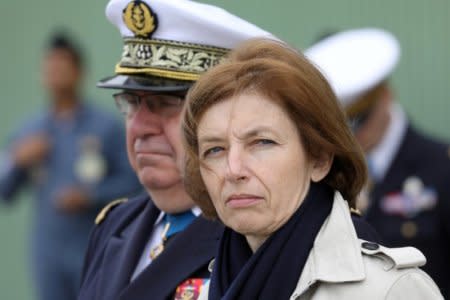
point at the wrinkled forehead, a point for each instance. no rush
(241, 114)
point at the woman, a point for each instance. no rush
(271, 156)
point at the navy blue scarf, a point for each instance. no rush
(272, 272)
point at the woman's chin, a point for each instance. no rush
(246, 224)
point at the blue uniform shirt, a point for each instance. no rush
(90, 134)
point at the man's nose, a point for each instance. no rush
(145, 122)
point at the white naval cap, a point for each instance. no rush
(168, 44)
(355, 61)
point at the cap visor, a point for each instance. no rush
(144, 83)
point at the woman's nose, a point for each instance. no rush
(236, 162)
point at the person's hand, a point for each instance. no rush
(31, 150)
(72, 200)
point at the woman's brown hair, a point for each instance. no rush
(285, 76)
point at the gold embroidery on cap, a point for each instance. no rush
(140, 19)
(169, 59)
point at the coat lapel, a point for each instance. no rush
(183, 256)
(336, 254)
(123, 251)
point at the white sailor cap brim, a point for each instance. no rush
(172, 42)
(355, 61)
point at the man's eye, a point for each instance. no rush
(133, 102)
(212, 151)
(169, 101)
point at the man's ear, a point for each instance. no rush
(321, 167)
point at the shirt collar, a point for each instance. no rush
(381, 157)
(195, 210)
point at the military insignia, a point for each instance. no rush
(156, 251)
(140, 18)
(190, 289)
(413, 199)
(90, 167)
(104, 212)
(355, 211)
(409, 229)
(211, 265)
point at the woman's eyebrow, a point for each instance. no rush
(209, 139)
(255, 131)
(252, 132)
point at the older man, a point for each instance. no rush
(155, 246)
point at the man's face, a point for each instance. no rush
(154, 145)
(371, 132)
(60, 74)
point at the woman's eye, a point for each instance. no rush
(264, 142)
(212, 151)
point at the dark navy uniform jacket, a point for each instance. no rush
(423, 224)
(117, 243)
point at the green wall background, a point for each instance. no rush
(422, 79)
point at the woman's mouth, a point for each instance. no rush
(243, 200)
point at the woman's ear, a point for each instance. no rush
(321, 167)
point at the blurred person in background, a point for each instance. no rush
(408, 197)
(73, 157)
(157, 246)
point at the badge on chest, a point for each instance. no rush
(190, 289)
(414, 198)
(91, 166)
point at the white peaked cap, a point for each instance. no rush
(355, 61)
(190, 22)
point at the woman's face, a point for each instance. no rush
(253, 163)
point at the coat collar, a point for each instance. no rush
(336, 253)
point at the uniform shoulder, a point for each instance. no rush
(109, 207)
(121, 208)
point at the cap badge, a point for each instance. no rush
(140, 18)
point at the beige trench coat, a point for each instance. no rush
(341, 266)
